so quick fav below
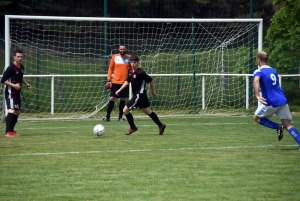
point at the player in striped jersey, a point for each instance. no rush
(273, 99)
(13, 79)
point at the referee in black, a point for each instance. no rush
(13, 79)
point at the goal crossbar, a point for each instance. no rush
(200, 66)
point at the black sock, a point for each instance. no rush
(130, 120)
(15, 121)
(110, 107)
(155, 118)
(10, 122)
(121, 107)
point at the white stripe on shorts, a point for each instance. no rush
(282, 112)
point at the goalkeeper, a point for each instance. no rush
(138, 79)
(118, 66)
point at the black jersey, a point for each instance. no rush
(14, 75)
(138, 80)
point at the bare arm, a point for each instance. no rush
(152, 88)
(26, 83)
(122, 87)
(16, 86)
(257, 90)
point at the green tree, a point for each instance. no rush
(12, 7)
(283, 37)
(137, 8)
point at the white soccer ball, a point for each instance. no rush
(99, 129)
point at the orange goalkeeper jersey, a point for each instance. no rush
(119, 67)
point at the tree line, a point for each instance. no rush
(139, 8)
(282, 39)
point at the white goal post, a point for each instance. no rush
(200, 66)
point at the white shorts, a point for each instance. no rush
(282, 112)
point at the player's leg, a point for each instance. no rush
(111, 103)
(110, 107)
(123, 95)
(121, 107)
(293, 131)
(127, 108)
(145, 106)
(267, 122)
(9, 124)
(262, 115)
(13, 106)
(15, 120)
(285, 115)
(152, 115)
(17, 108)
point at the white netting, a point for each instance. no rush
(167, 49)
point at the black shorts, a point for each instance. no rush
(138, 101)
(13, 103)
(123, 94)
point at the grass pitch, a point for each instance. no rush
(197, 158)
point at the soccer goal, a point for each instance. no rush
(200, 66)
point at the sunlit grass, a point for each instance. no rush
(197, 158)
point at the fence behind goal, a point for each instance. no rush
(200, 66)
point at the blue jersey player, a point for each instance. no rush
(273, 99)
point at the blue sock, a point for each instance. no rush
(295, 133)
(267, 123)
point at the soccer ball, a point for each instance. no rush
(99, 130)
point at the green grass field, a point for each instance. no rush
(197, 158)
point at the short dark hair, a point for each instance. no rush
(18, 51)
(134, 58)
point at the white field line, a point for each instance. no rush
(144, 150)
(145, 125)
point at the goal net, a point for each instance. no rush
(200, 66)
